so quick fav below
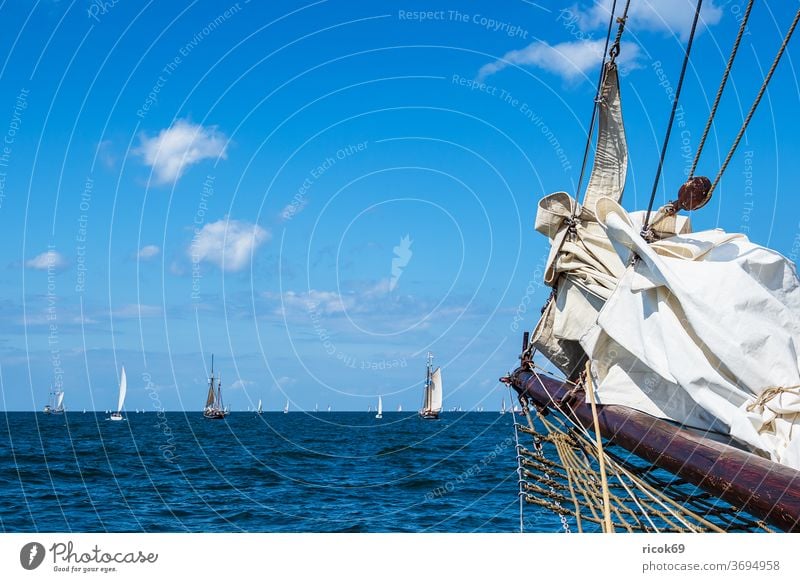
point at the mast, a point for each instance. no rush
(427, 401)
(212, 395)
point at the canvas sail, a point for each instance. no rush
(123, 389)
(703, 329)
(380, 406)
(435, 398)
(210, 397)
(59, 400)
(582, 266)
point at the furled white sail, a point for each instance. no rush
(123, 389)
(435, 403)
(703, 329)
(583, 266)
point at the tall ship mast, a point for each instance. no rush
(432, 395)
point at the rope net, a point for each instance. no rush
(560, 472)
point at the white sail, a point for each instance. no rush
(286, 408)
(436, 390)
(399, 408)
(59, 400)
(380, 408)
(259, 405)
(123, 389)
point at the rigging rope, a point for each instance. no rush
(722, 84)
(613, 54)
(672, 116)
(756, 102)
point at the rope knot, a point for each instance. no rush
(768, 394)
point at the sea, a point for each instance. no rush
(275, 472)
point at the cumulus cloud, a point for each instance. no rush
(569, 60)
(227, 243)
(670, 16)
(176, 148)
(148, 252)
(47, 260)
(572, 59)
(241, 384)
(328, 302)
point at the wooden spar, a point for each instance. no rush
(765, 489)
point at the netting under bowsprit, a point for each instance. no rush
(560, 472)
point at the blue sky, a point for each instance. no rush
(319, 193)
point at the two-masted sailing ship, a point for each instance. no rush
(55, 404)
(215, 408)
(432, 394)
(676, 404)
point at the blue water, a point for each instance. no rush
(296, 472)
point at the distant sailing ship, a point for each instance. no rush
(432, 401)
(214, 408)
(56, 403)
(380, 408)
(123, 389)
(399, 408)
(259, 410)
(503, 408)
(286, 408)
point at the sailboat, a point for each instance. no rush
(503, 407)
(259, 410)
(432, 399)
(380, 408)
(316, 408)
(399, 408)
(55, 404)
(214, 408)
(667, 351)
(286, 408)
(329, 407)
(123, 389)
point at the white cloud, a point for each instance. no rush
(370, 296)
(174, 149)
(148, 252)
(670, 16)
(573, 59)
(569, 60)
(241, 384)
(46, 261)
(227, 243)
(326, 302)
(137, 311)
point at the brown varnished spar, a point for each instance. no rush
(767, 490)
